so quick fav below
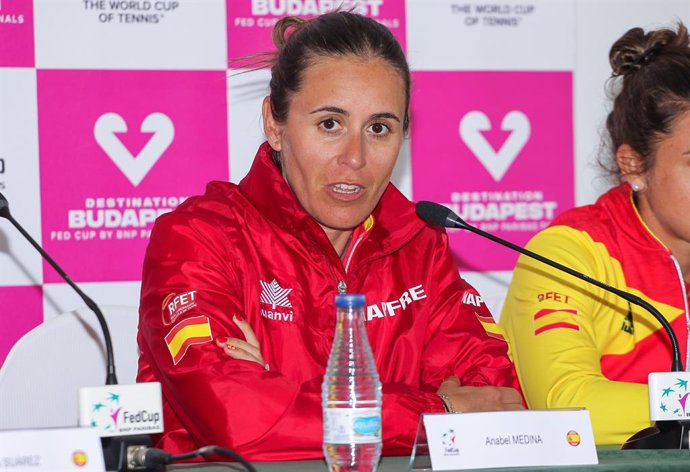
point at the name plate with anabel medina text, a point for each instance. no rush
(525, 438)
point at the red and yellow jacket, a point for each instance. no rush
(575, 345)
(251, 249)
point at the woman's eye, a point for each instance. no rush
(379, 129)
(329, 125)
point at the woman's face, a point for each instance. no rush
(664, 198)
(341, 137)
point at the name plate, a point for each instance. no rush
(510, 439)
(122, 410)
(669, 396)
(54, 449)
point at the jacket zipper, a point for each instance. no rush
(687, 315)
(342, 286)
(352, 252)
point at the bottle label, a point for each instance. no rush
(351, 425)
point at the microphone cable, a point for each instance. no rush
(151, 458)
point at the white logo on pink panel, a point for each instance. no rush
(507, 157)
(495, 161)
(118, 150)
(250, 22)
(135, 167)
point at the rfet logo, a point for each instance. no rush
(505, 147)
(250, 22)
(16, 33)
(129, 146)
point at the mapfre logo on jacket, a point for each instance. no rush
(275, 302)
(393, 307)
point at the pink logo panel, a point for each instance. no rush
(250, 22)
(497, 148)
(22, 311)
(117, 149)
(16, 33)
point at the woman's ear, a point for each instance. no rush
(272, 129)
(630, 163)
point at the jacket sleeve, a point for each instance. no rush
(548, 318)
(218, 400)
(462, 337)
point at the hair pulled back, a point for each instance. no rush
(651, 76)
(340, 33)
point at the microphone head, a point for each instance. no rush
(4, 207)
(438, 215)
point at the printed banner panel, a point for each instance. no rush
(479, 35)
(130, 34)
(501, 160)
(118, 149)
(16, 33)
(21, 312)
(20, 264)
(250, 22)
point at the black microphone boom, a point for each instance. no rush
(442, 216)
(111, 378)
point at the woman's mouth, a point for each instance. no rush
(346, 189)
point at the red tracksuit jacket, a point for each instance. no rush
(251, 249)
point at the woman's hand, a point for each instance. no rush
(458, 398)
(248, 349)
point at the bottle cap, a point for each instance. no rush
(349, 300)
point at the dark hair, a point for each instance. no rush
(651, 76)
(333, 34)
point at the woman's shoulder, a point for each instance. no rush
(216, 210)
(603, 220)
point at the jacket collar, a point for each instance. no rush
(620, 204)
(395, 220)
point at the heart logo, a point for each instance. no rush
(496, 163)
(136, 167)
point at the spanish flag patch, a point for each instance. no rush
(190, 331)
(490, 326)
(564, 318)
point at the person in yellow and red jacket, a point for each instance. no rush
(237, 311)
(575, 345)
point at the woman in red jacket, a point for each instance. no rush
(237, 307)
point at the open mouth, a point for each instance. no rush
(346, 189)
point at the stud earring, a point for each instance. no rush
(636, 187)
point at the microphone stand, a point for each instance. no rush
(664, 434)
(114, 448)
(111, 378)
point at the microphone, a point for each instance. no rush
(111, 378)
(669, 434)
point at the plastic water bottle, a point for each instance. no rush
(351, 394)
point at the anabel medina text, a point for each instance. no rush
(514, 439)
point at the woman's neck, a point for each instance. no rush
(339, 239)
